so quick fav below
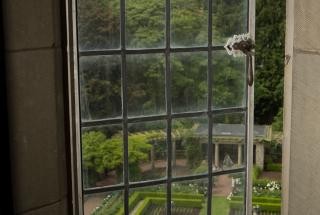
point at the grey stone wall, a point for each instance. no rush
(36, 109)
(301, 148)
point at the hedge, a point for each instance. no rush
(180, 199)
(268, 207)
(162, 201)
(258, 199)
(274, 167)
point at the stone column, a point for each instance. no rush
(260, 155)
(37, 124)
(216, 154)
(239, 153)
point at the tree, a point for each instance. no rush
(99, 24)
(270, 23)
(103, 155)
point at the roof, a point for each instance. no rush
(234, 130)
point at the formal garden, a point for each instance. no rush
(101, 98)
(188, 197)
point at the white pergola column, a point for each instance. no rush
(260, 155)
(216, 154)
(239, 154)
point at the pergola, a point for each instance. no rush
(223, 134)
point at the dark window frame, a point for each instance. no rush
(76, 125)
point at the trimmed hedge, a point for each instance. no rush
(159, 198)
(258, 199)
(267, 207)
(143, 207)
(187, 203)
(274, 167)
(264, 203)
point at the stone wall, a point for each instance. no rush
(35, 102)
(301, 147)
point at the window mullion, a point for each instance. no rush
(210, 121)
(124, 105)
(168, 102)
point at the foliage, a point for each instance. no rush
(200, 187)
(256, 172)
(102, 155)
(264, 207)
(266, 188)
(274, 167)
(277, 124)
(193, 152)
(110, 205)
(98, 24)
(269, 55)
(179, 199)
(273, 152)
(202, 168)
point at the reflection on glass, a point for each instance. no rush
(146, 81)
(102, 156)
(100, 87)
(103, 203)
(147, 150)
(228, 194)
(98, 24)
(229, 81)
(189, 81)
(229, 18)
(145, 23)
(228, 141)
(189, 197)
(189, 23)
(189, 146)
(148, 200)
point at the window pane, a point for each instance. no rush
(228, 194)
(189, 23)
(228, 141)
(229, 80)
(147, 150)
(148, 200)
(145, 23)
(189, 81)
(103, 203)
(100, 87)
(229, 18)
(146, 86)
(189, 197)
(189, 146)
(98, 24)
(102, 156)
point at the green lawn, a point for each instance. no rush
(220, 206)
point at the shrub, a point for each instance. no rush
(258, 199)
(256, 173)
(193, 152)
(274, 167)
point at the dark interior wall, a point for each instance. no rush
(6, 205)
(34, 51)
